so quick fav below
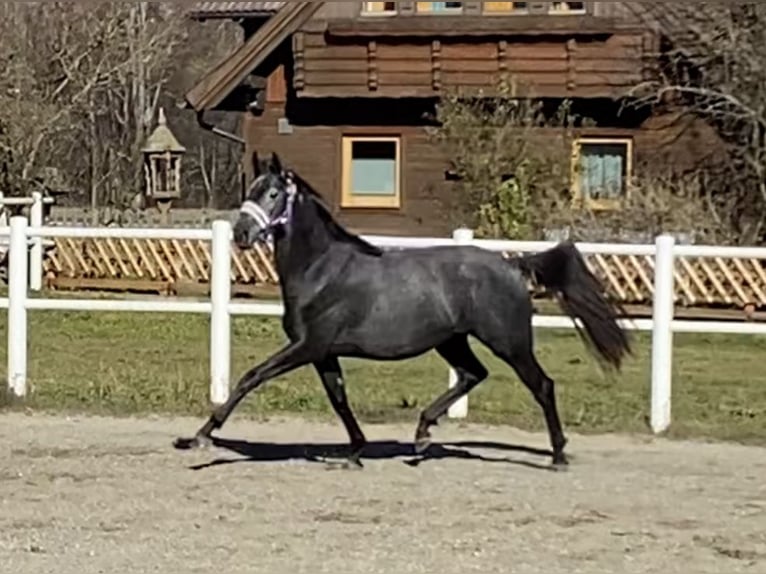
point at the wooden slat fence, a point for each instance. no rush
(134, 263)
(700, 282)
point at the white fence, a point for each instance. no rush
(220, 307)
(36, 203)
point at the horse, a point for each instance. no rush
(346, 298)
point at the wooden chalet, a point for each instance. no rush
(340, 89)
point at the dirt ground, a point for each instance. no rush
(91, 495)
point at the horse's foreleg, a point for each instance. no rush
(289, 358)
(332, 378)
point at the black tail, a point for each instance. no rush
(581, 295)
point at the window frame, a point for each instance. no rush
(576, 181)
(351, 201)
(376, 14)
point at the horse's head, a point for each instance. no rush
(268, 203)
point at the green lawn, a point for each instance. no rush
(156, 363)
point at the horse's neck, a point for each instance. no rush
(306, 240)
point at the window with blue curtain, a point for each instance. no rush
(603, 170)
(373, 168)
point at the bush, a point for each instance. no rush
(512, 158)
(652, 206)
(499, 158)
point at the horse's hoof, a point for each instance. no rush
(350, 464)
(196, 443)
(560, 464)
(422, 444)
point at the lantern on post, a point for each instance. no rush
(162, 167)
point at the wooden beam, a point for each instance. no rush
(571, 64)
(299, 61)
(436, 65)
(372, 65)
(502, 58)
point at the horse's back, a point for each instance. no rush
(460, 265)
(454, 280)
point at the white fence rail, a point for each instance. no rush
(221, 308)
(36, 203)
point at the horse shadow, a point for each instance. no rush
(269, 452)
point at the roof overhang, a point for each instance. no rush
(221, 81)
(233, 10)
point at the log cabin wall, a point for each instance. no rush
(347, 77)
(316, 152)
(374, 66)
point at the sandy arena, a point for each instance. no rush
(92, 495)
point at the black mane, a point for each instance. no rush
(337, 231)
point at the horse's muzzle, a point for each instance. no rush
(246, 232)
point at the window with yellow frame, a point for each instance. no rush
(378, 8)
(601, 171)
(504, 7)
(371, 172)
(439, 7)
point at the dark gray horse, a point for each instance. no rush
(344, 297)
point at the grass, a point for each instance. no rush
(121, 364)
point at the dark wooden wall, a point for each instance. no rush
(557, 67)
(660, 143)
(315, 152)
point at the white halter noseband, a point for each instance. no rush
(252, 209)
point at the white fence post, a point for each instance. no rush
(18, 270)
(220, 318)
(662, 333)
(459, 410)
(36, 251)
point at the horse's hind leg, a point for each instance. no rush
(523, 361)
(470, 372)
(332, 378)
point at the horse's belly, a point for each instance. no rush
(421, 311)
(409, 328)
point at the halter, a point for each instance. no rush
(267, 224)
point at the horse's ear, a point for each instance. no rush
(276, 164)
(255, 164)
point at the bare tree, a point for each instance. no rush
(81, 89)
(714, 66)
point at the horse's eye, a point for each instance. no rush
(274, 194)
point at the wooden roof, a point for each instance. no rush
(222, 80)
(162, 139)
(203, 10)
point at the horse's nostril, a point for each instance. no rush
(240, 236)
